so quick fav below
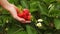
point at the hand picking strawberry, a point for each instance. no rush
(25, 14)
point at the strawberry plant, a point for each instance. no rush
(45, 17)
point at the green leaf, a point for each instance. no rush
(28, 28)
(21, 32)
(4, 12)
(52, 7)
(49, 1)
(24, 4)
(11, 1)
(42, 8)
(0, 21)
(1, 30)
(57, 23)
(14, 29)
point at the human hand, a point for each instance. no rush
(11, 8)
(22, 19)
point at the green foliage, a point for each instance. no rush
(40, 9)
(57, 23)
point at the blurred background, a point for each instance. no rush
(45, 18)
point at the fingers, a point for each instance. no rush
(22, 20)
(28, 21)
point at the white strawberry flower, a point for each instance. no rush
(40, 20)
(38, 24)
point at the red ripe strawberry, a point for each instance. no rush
(25, 14)
(29, 18)
(25, 17)
(26, 11)
(20, 15)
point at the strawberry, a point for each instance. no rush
(26, 11)
(20, 15)
(25, 14)
(29, 17)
